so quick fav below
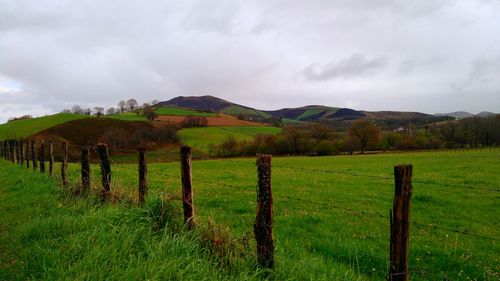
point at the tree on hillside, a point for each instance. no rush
(149, 112)
(122, 106)
(76, 109)
(132, 104)
(155, 102)
(111, 111)
(364, 134)
(87, 111)
(99, 111)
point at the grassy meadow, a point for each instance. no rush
(331, 220)
(200, 138)
(27, 127)
(165, 110)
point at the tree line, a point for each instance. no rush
(363, 135)
(130, 105)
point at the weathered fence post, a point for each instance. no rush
(102, 150)
(263, 227)
(33, 154)
(42, 156)
(187, 187)
(64, 164)
(85, 170)
(1, 148)
(21, 152)
(27, 156)
(51, 159)
(13, 151)
(16, 145)
(143, 176)
(400, 224)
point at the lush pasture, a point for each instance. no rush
(127, 116)
(27, 127)
(331, 213)
(165, 110)
(318, 237)
(200, 138)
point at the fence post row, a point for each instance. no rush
(42, 156)
(143, 175)
(85, 170)
(187, 187)
(51, 159)
(33, 154)
(64, 164)
(102, 150)
(400, 224)
(263, 227)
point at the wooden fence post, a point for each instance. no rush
(27, 156)
(42, 156)
(85, 170)
(33, 154)
(400, 224)
(102, 150)
(1, 148)
(263, 227)
(51, 159)
(187, 187)
(21, 152)
(143, 176)
(16, 145)
(64, 164)
(13, 151)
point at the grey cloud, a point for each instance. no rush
(57, 53)
(485, 69)
(357, 65)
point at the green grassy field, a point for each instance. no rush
(330, 221)
(27, 127)
(237, 110)
(200, 138)
(182, 112)
(127, 116)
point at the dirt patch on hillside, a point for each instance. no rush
(221, 120)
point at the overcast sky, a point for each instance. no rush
(428, 56)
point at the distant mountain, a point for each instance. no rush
(485, 114)
(456, 114)
(310, 113)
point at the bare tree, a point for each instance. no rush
(76, 109)
(99, 111)
(132, 104)
(364, 133)
(87, 111)
(122, 105)
(111, 111)
(154, 102)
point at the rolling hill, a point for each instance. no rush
(26, 127)
(310, 113)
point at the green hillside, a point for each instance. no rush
(27, 127)
(166, 110)
(127, 116)
(200, 138)
(237, 110)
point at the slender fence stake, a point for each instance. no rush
(143, 176)
(42, 156)
(16, 145)
(64, 164)
(85, 170)
(51, 159)
(21, 152)
(187, 187)
(2, 149)
(13, 151)
(33, 154)
(27, 145)
(400, 224)
(263, 227)
(102, 150)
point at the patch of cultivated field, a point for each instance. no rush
(331, 213)
(200, 138)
